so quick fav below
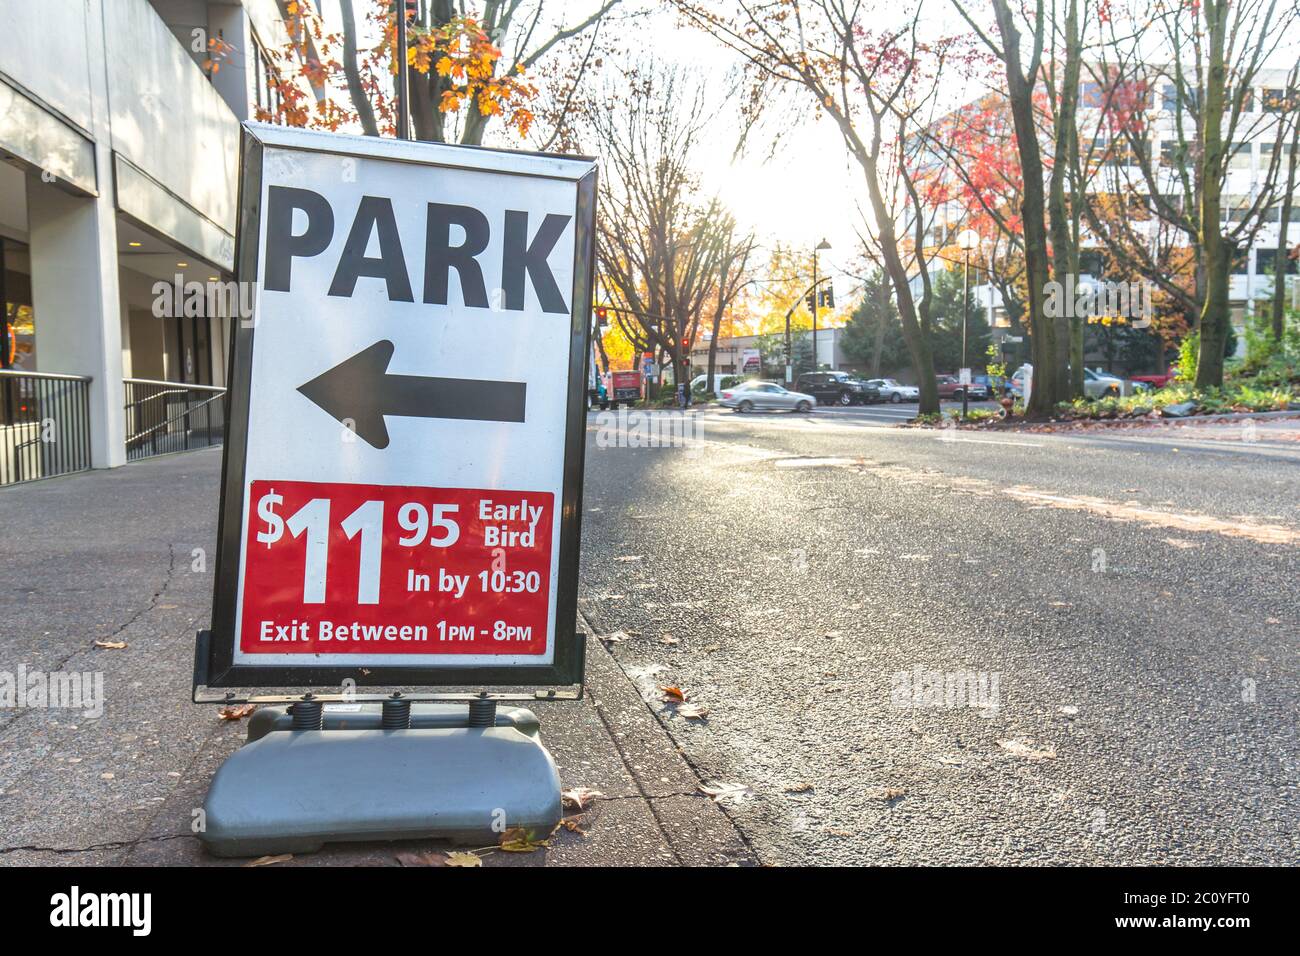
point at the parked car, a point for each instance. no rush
(951, 387)
(699, 382)
(1154, 381)
(757, 394)
(892, 391)
(837, 388)
(1096, 384)
(1099, 384)
(1015, 385)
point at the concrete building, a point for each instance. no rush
(1252, 152)
(121, 146)
(742, 354)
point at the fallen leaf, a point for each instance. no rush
(950, 761)
(461, 858)
(720, 792)
(668, 639)
(617, 637)
(111, 645)
(799, 788)
(673, 694)
(891, 793)
(693, 711)
(1069, 710)
(236, 713)
(1026, 749)
(628, 557)
(579, 798)
(519, 840)
(570, 824)
(270, 860)
(421, 859)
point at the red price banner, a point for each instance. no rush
(379, 569)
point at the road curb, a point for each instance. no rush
(696, 828)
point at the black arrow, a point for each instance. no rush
(359, 392)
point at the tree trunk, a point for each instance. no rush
(356, 92)
(1284, 220)
(882, 317)
(713, 353)
(918, 343)
(1042, 331)
(1218, 249)
(1069, 366)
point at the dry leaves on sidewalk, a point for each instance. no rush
(457, 858)
(1027, 749)
(519, 840)
(693, 711)
(725, 792)
(673, 694)
(579, 798)
(236, 713)
(270, 860)
(111, 645)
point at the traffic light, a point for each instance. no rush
(811, 301)
(828, 298)
(686, 343)
(602, 315)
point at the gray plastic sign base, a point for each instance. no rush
(369, 717)
(293, 791)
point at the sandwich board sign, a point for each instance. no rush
(402, 472)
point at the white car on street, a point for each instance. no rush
(1099, 384)
(749, 396)
(1096, 383)
(893, 391)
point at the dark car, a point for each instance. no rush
(837, 388)
(951, 387)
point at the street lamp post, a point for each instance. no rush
(967, 240)
(816, 299)
(403, 86)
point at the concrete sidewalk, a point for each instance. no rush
(127, 555)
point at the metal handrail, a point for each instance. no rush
(185, 414)
(47, 376)
(186, 386)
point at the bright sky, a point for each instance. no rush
(802, 191)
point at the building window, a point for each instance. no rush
(1266, 151)
(1239, 156)
(1274, 100)
(1236, 208)
(1265, 260)
(266, 79)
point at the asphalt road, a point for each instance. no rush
(940, 647)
